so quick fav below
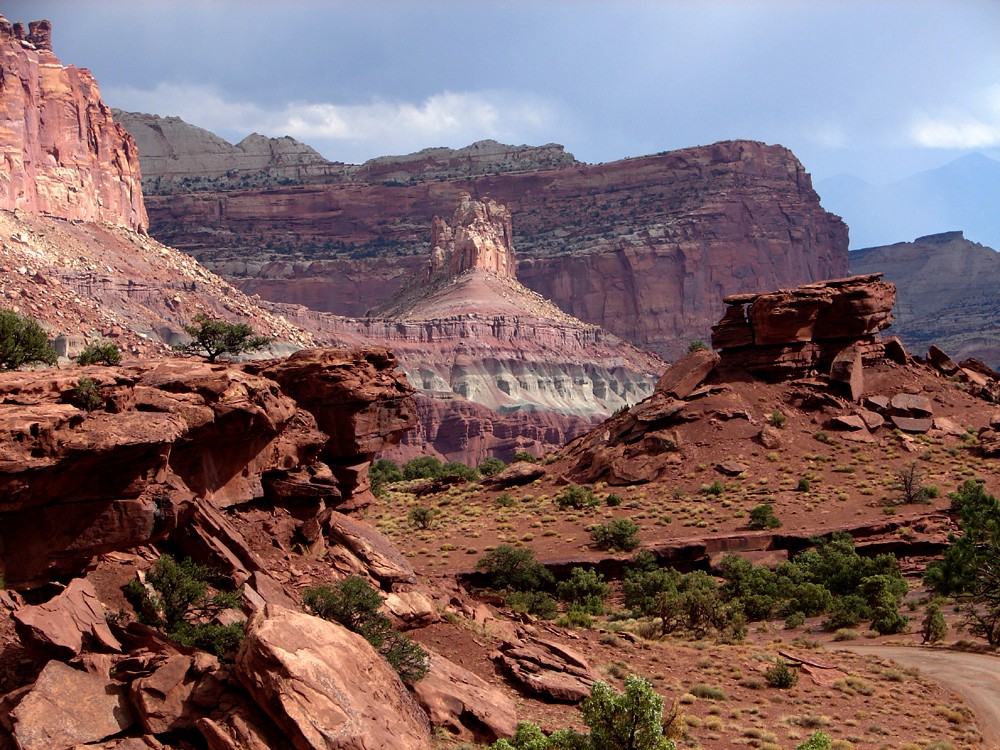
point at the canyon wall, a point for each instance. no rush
(643, 247)
(946, 293)
(63, 154)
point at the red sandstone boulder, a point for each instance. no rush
(547, 669)
(67, 707)
(687, 373)
(464, 703)
(65, 624)
(325, 686)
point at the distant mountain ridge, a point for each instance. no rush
(963, 193)
(946, 293)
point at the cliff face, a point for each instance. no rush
(643, 247)
(63, 154)
(946, 293)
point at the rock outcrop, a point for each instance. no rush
(63, 153)
(174, 434)
(792, 332)
(945, 293)
(644, 247)
(326, 687)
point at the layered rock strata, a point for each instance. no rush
(63, 153)
(644, 247)
(792, 332)
(945, 293)
(172, 434)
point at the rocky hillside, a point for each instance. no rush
(63, 153)
(644, 247)
(946, 293)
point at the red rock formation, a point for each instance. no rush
(791, 332)
(63, 153)
(74, 484)
(480, 236)
(645, 248)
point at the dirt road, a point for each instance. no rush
(976, 677)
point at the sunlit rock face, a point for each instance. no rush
(63, 154)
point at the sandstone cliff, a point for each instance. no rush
(946, 293)
(63, 154)
(645, 248)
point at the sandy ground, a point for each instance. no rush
(974, 676)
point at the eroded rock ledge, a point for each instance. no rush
(176, 433)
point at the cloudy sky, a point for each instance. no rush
(876, 88)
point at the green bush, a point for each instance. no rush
(584, 589)
(355, 604)
(213, 338)
(423, 467)
(576, 497)
(87, 394)
(491, 466)
(795, 620)
(934, 629)
(715, 488)
(529, 736)
(620, 534)
(383, 472)
(524, 457)
(23, 341)
(777, 419)
(803, 485)
(631, 720)
(697, 346)
(421, 517)
(780, 675)
(762, 517)
(458, 469)
(536, 603)
(515, 569)
(505, 500)
(576, 617)
(613, 500)
(100, 353)
(180, 605)
(819, 740)
(708, 693)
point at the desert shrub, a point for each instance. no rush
(934, 629)
(715, 488)
(613, 500)
(23, 341)
(620, 534)
(421, 517)
(846, 634)
(355, 604)
(697, 346)
(491, 466)
(100, 353)
(584, 589)
(212, 338)
(524, 457)
(884, 596)
(458, 469)
(576, 497)
(505, 500)
(795, 620)
(762, 517)
(777, 419)
(847, 612)
(383, 472)
(780, 675)
(515, 569)
(803, 485)
(819, 740)
(909, 483)
(707, 692)
(576, 617)
(810, 599)
(423, 467)
(87, 394)
(529, 736)
(631, 720)
(536, 603)
(181, 606)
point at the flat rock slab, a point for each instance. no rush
(687, 373)
(732, 468)
(850, 422)
(911, 405)
(65, 623)
(67, 707)
(912, 424)
(547, 669)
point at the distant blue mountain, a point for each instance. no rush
(963, 194)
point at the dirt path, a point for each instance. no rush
(976, 677)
